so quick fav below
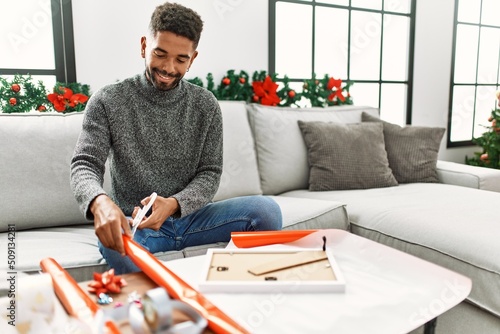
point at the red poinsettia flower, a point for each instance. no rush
(61, 101)
(266, 91)
(335, 86)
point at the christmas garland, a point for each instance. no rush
(269, 90)
(21, 95)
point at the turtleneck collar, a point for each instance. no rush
(151, 92)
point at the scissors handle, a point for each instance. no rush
(142, 213)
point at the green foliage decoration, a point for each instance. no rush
(490, 143)
(327, 91)
(21, 95)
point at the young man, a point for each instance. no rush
(164, 135)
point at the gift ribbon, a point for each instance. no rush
(264, 238)
(177, 288)
(76, 302)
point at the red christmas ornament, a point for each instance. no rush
(291, 94)
(12, 101)
(226, 81)
(41, 108)
(15, 88)
(242, 80)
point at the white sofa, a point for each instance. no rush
(453, 223)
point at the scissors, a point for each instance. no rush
(142, 213)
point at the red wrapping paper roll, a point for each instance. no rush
(75, 301)
(264, 238)
(218, 321)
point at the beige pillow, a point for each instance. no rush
(412, 150)
(346, 156)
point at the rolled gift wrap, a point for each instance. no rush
(76, 302)
(264, 238)
(218, 321)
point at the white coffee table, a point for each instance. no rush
(387, 291)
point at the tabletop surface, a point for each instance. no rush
(387, 291)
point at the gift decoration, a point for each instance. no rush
(178, 289)
(106, 282)
(264, 238)
(76, 302)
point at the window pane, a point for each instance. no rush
(335, 2)
(292, 59)
(365, 94)
(393, 103)
(466, 53)
(395, 49)
(372, 4)
(463, 109)
(468, 11)
(485, 102)
(488, 55)
(27, 30)
(399, 6)
(490, 12)
(365, 45)
(331, 49)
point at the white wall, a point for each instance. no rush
(107, 37)
(432, 70)
(107, 42)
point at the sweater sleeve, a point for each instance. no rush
(202, 188)
(89, 158)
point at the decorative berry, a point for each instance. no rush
(12, 101)
(15, 88)
(41, 108)
(255, 98)
(242, 80)
(226, 81)
(484, 157)
(291, 94)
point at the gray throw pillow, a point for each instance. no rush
(412, 150)
(346, 156)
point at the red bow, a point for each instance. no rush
(106, 282)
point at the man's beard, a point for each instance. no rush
(158, 84)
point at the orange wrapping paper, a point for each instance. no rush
(264, 238)
(76, 302)
(218, 321)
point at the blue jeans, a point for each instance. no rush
(210, 224)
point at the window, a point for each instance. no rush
(368, 42)
(475, 69)
(37, 39)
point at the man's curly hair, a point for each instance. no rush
(178, 19)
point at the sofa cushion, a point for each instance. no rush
(281, 151)
(240, 174)
(412, 150)
(34, 164)
(307, 213)
(452, 226)
(346, 156)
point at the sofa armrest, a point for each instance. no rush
(468, 176)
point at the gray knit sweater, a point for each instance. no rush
(169, 142)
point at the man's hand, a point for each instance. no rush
(161, 210)
(109, 221)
